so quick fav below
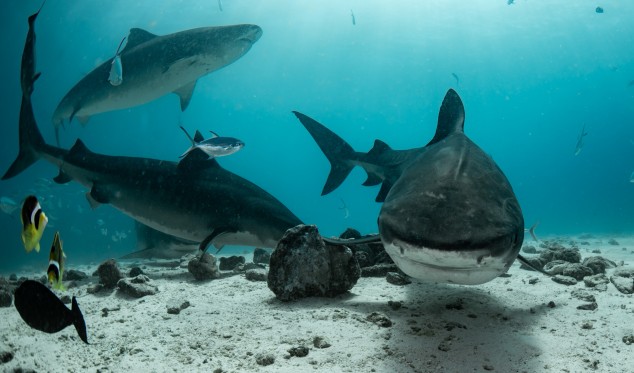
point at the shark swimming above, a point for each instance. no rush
(449, 214)
(197, 201)
(155, 66)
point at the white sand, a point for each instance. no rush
(232, 320)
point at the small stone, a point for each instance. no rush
(6, 356)
(74, 275)
(564, 280)
(137, 287)
(613, 242)
(258, 274)
(593, 281)
(395, 305)
(300, 351)
(264, 359)
(628, 339)
(378, 270)
(583, 295)
(66, 299)
(5, 298)
(488, 367)
(529, 249)
(588, 306)
(587, 325)
(135, 271)
(379, 319)
(533, 280)
(261, 256)
(577, 271)
(596, 251)
(445, 345)
(551, 304)
(109, 274)
(13, 277)
(230, 262)
(320, 342)
(598, 264)
(173, 310)
(623, 284)
(455, 305)
(204, 268)
(396, 278)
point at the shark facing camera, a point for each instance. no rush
(449, 214)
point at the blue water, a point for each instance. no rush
(531, 75)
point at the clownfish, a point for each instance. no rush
(33, 223)
(56, 261)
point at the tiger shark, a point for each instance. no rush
(154, 66)
(196, 200)
(449, 213)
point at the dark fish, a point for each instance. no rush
(531, 230)
(599, 9)
(220, 5)
(41, 309)
(580, 143)
(354, 21)
(631, 83)
(27, 71)
(509, 2)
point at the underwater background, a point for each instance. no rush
(531, 75)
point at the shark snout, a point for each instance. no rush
(252, 33)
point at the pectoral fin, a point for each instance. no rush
(217, 232)
(185, 93)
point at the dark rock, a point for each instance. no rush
(564, 280)
(300, 351)
(596, 251)
(364, 258)
(529, 249)
(533, 280)
(624, 272)
(555, 267)
(395, 305)
(261, 256)
(320, 342)
(628, 339)
(303, 266)
(109, 274)
(395, 278)
(533, 261)
(264, 359)
(623, 284)
(66, 299)
(613, 242)
(583, 295)
(457, 304)
(137, 287)
(378, 270)
(350, 233)
(588, 306)
(204, 268)
(577, 271)
(258, 274)
(13, 277)
(379, 319)
(551, 304)
(175, 310)
(381, 256)
(135, 271)
(74, 275)
(593, 281)
(569, 255)
(230, 262)
(5, 298)
(598, 264)
(5, 356)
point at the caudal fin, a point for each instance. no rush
(78, 321)
(30, 137)
(336, 149)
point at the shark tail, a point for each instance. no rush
(30, 140)
(337, 150)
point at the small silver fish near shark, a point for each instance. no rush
(116, 67)
(155, 66)
(216, 146)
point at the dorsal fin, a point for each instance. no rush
(196, 160)
(137, 36)
(379, 148)
(450, 117)
(78, 149)
(198, 137)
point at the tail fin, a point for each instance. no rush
(30, 140)
(30, 137)
(531, 230)
(336, 149)
(78, 321)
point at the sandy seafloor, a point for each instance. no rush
(504, 326)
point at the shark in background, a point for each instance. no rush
(449, 214)
(155, 66)
(197, 201)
